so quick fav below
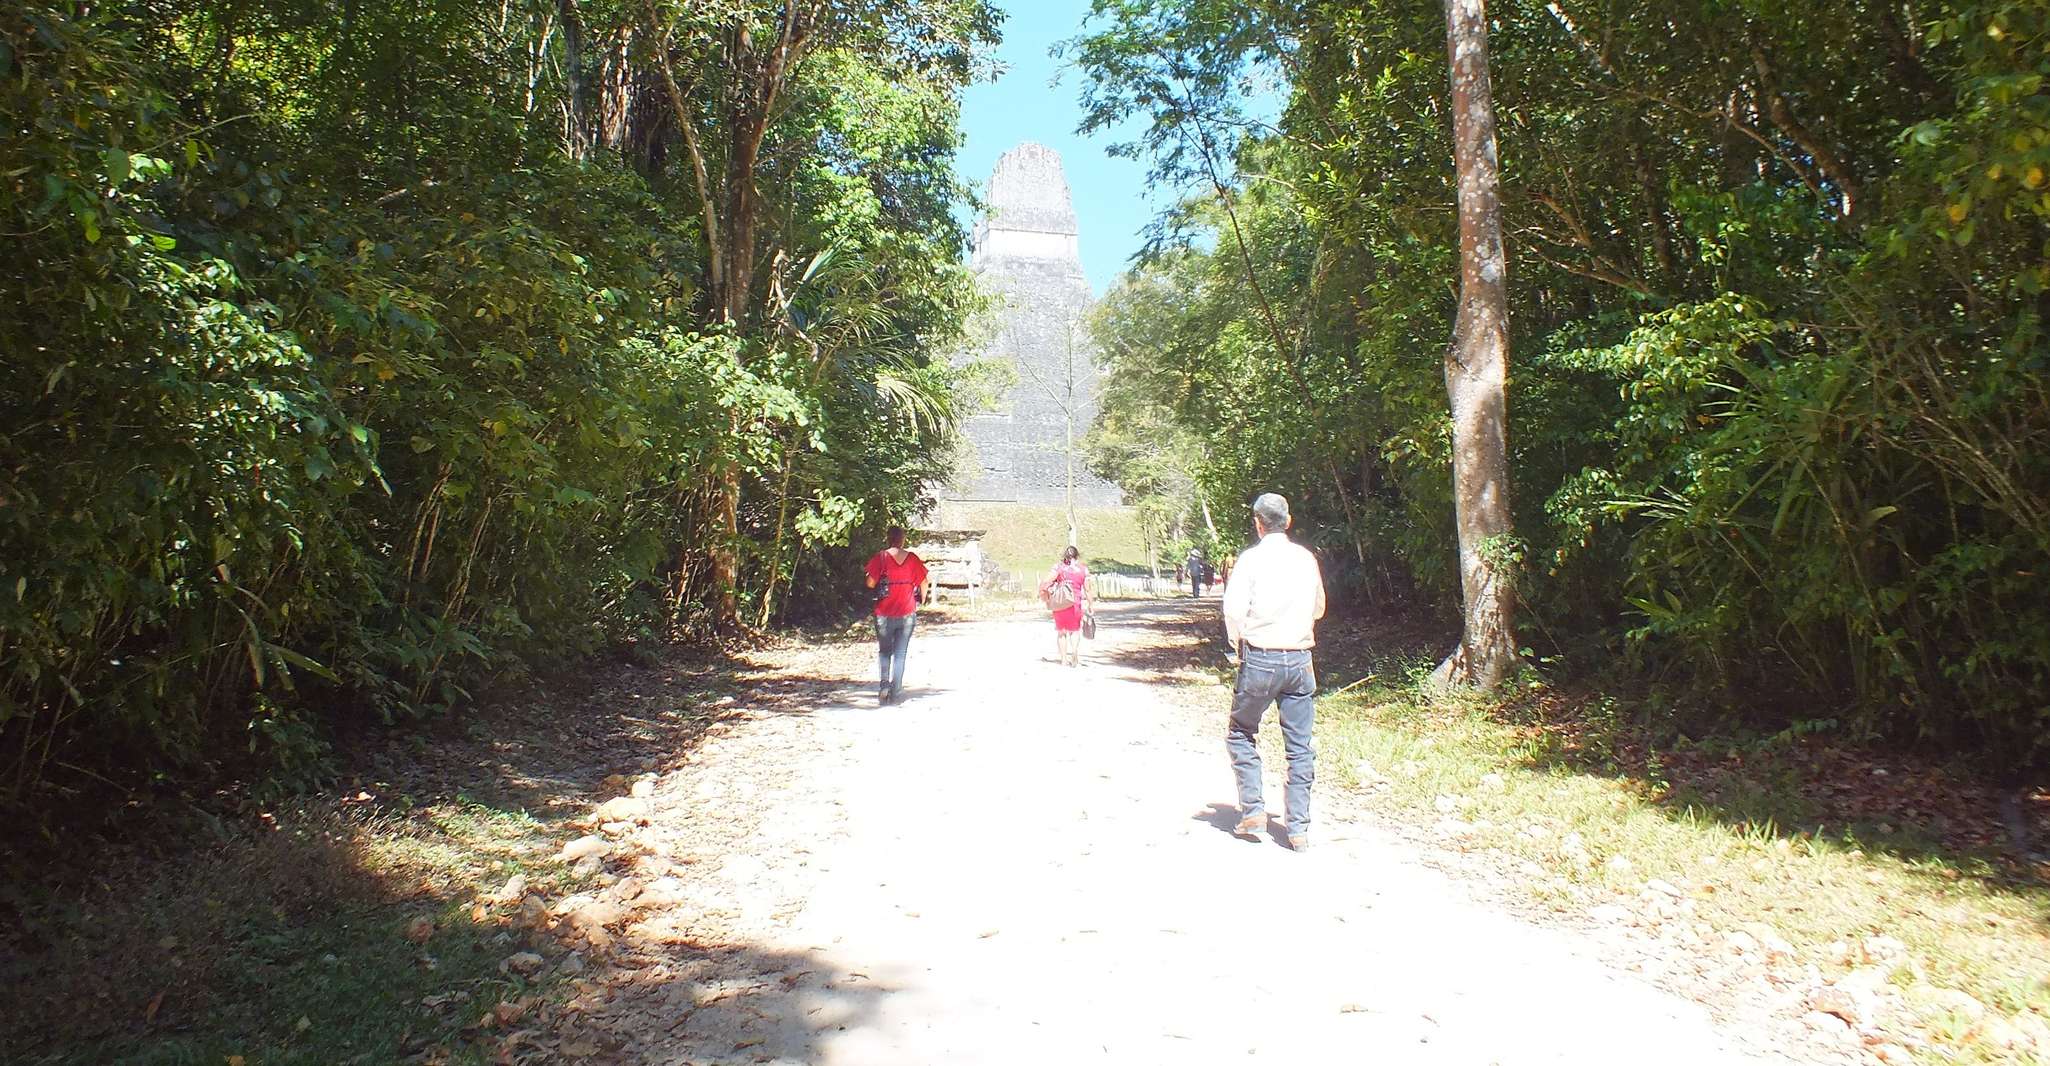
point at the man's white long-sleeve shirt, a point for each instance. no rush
(1275, 595)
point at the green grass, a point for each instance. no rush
(1966, 927)
(1026, 539)
(285, 944)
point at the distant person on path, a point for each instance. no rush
(1195, 565)
(1271, 609)
(899, 578)
(1071, 575)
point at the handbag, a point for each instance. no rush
(1089, 626)
(1059, 597)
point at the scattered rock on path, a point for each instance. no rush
(1769, 940)
(1453, 829)
(513, 891)
(1826, 1023)
(585, 847)
(2002, 1034)
(1610, 914)
(621, 809)
(1866, 980)
(524, 963)
(1931, 1002)
(1845, 1003)
(1885, 951)
(597, 914)
(2037, 1031)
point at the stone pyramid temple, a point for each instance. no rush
(1028, 448)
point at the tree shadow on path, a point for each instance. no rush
(724, 1003)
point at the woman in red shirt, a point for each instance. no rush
(1067, 622)
(899, 578)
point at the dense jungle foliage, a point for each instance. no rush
(356, 355)
(1780, 393)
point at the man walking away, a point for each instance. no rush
(899, 578)
(1271, 607)
(1195, 568)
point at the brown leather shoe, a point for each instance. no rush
(1251, 824)
(1299, 843)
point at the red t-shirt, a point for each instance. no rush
(904, 577)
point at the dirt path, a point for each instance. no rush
(1025, 864)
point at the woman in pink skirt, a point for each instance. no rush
(1067, 621)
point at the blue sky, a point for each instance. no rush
(1111, 201)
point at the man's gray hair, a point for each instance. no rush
(1272, 510)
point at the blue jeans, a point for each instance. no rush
(1288, 679)
(893, 646)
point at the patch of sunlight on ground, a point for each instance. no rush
(1580, 835)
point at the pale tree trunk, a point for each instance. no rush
(578, 132)
(1477, 369)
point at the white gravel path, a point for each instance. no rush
(1026, 864)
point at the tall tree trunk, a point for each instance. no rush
(1477, 368)
(578, 134)
(726, 542)
(1652, 188)
(731, 208)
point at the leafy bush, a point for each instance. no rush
(342, 379)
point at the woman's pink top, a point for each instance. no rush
(1073, 575)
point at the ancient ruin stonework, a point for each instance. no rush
(1028, 259)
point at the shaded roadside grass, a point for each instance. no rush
(368, 924)
(314, 939)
